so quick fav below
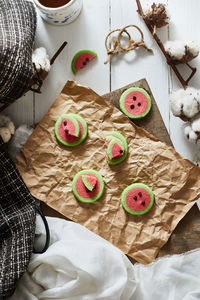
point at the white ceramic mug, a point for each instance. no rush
(60, 15)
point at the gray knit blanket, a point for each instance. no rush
(17, 32)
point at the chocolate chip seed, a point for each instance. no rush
(121, 151)
(66, 131)
(140, 194)
(87, 59)
(134, 98)
(143, 203)
(132, 106)
(84, 63)
(139, 104)
(65, 123)
(135, 197)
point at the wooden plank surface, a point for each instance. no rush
(183, 26)
(22, 111)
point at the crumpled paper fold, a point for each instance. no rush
(48, 169)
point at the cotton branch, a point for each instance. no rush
(170, 62)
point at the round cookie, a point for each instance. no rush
(115, 149)
(69, 140)
(81, 59)
(135, 103)
(81, 192)
(137, 199)
(117, 137)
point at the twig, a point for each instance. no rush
(168, 58)
(57, 53)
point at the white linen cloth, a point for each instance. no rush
(80, 265)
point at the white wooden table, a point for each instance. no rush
(97, 18)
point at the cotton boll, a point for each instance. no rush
(41, 59)
(190, 134)
(187, 129)
(196, 125)
(181, 51)
(147, 9)
(5, 134)
(175, 49)
(193, 137)
(185, 103)
(192, 130)
(193, 48)
(11, 127)
(19, 139)
(156, 15)
(7, 128)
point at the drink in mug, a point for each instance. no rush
(59, 12)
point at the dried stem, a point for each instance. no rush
(192, 74)
(57, 53)
(168, 58)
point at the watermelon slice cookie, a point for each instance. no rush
(89, 181)
(88, 186)
(135, 103)
(71, 129)
(137, 199)
(117, 148)
(81, 59)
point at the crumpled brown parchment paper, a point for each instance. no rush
(48, 169)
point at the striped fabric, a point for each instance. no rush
(17, 224)
(17, 32)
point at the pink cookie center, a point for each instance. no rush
(68, 126)
(69, 138)
(82, 190)
(117, 151)
(136, 103)
(83, 60)
(138, 199)
(107, 143)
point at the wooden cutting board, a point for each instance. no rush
(186, 236)
(153, 122)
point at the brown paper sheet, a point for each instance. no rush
(48, 170)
